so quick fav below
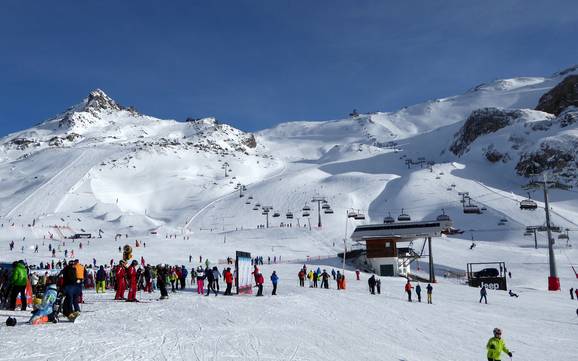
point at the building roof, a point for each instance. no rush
(401, 231)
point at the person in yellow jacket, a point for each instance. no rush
(496, 346)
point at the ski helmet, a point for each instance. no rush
(52, 287)
(497, 331)
(11, 321)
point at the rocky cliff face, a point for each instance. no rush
(560, 97)
(480, 122)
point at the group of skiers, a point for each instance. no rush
(429, 290)
(318, 278)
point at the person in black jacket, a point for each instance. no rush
(210, 281)
(100, 280)
(71, 290)
(371, 283)
(162, 275)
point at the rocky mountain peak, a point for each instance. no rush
(560, 97)
(98, 100)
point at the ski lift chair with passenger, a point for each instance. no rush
(403, 217)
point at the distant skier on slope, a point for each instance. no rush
(496, 346)
(418, 292)
(483, 295)
(408, 288)
(274, 280)
(429, 290)
(371, 284)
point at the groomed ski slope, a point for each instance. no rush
(304, 324)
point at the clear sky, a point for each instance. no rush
(255, 63)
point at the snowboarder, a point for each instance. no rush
(45, 312)
(408, 288)
(132, 282)
(371, 283)
(496, 346)
(429, 290)
(274, 279)
(512, 294)
(483, 295)
(418, 292)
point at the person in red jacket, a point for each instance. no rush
(120, 281)
(132, 282)
(259, 279)
(408, 288)
(228, 275)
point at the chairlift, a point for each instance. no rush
(250, 197)
(438, 177)
(388, 219)
(326, 206)
(504, 220)
(528, 204)
(328, 211)
(351, 214)
(289, 215)
(500, 223)
(563, 236)
(441, 173)
(443, 217)
(359, 216)
(484, 209)
(255, 208)
(305, 214)
(449, 189)
(472, 209)
(275, 215)
(265, 212)
(403, 217)
(306, 208)
(258, 205)
(247, 202)
(528, 233)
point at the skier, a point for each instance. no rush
(576, 291)
(571, 293)
(148, 279)
(45, 312)
(18, 282)
(418, 292)
(333, 274)
(429, 290)
(274, 279)
(184, 274)
(371, 283)
(496, 346)
(512, 294)
(357, 274)
(259, 280)
(315, 277)
(408, 288)
(378, 286)
(483, 294)
(132, 282)
(120, 280)
(101, 280)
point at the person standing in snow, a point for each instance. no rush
(210, 281)
(120, 280)
(200, 281)
(184, 274)
(576, 292)
(357, 274)
(228, 276)
(408, 288)
(378, 285)
(301, 276)
(429, 290)
(162, 276)
(216, 276)
(71, 291)
(333, 274)
(101, 280)
(18, 283)
(132, 282)
(325, 279)
(571, 293)
(371, 283)
(496, 346)
(483, 294)
(259, 280)
(418, 292)
(274, 279)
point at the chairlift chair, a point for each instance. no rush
(563, 236)
(351, 214)
(328, 211)
(250, 197)
(305, 214)
(306, 208)
(359, 216)
(247, 202)
(275, 215)
(325, 206)
(443, 217)
(403, 217)
(528, 205)
(388, 219)
(258, 205)
(471, 209)
(289, 215)
(255, 208)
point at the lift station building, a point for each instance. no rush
(387, 245)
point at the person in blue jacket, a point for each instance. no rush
(184, 274)
(45, 312)
(274, 279)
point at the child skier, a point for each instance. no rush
(496, 346)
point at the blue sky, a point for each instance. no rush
(254, 64)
